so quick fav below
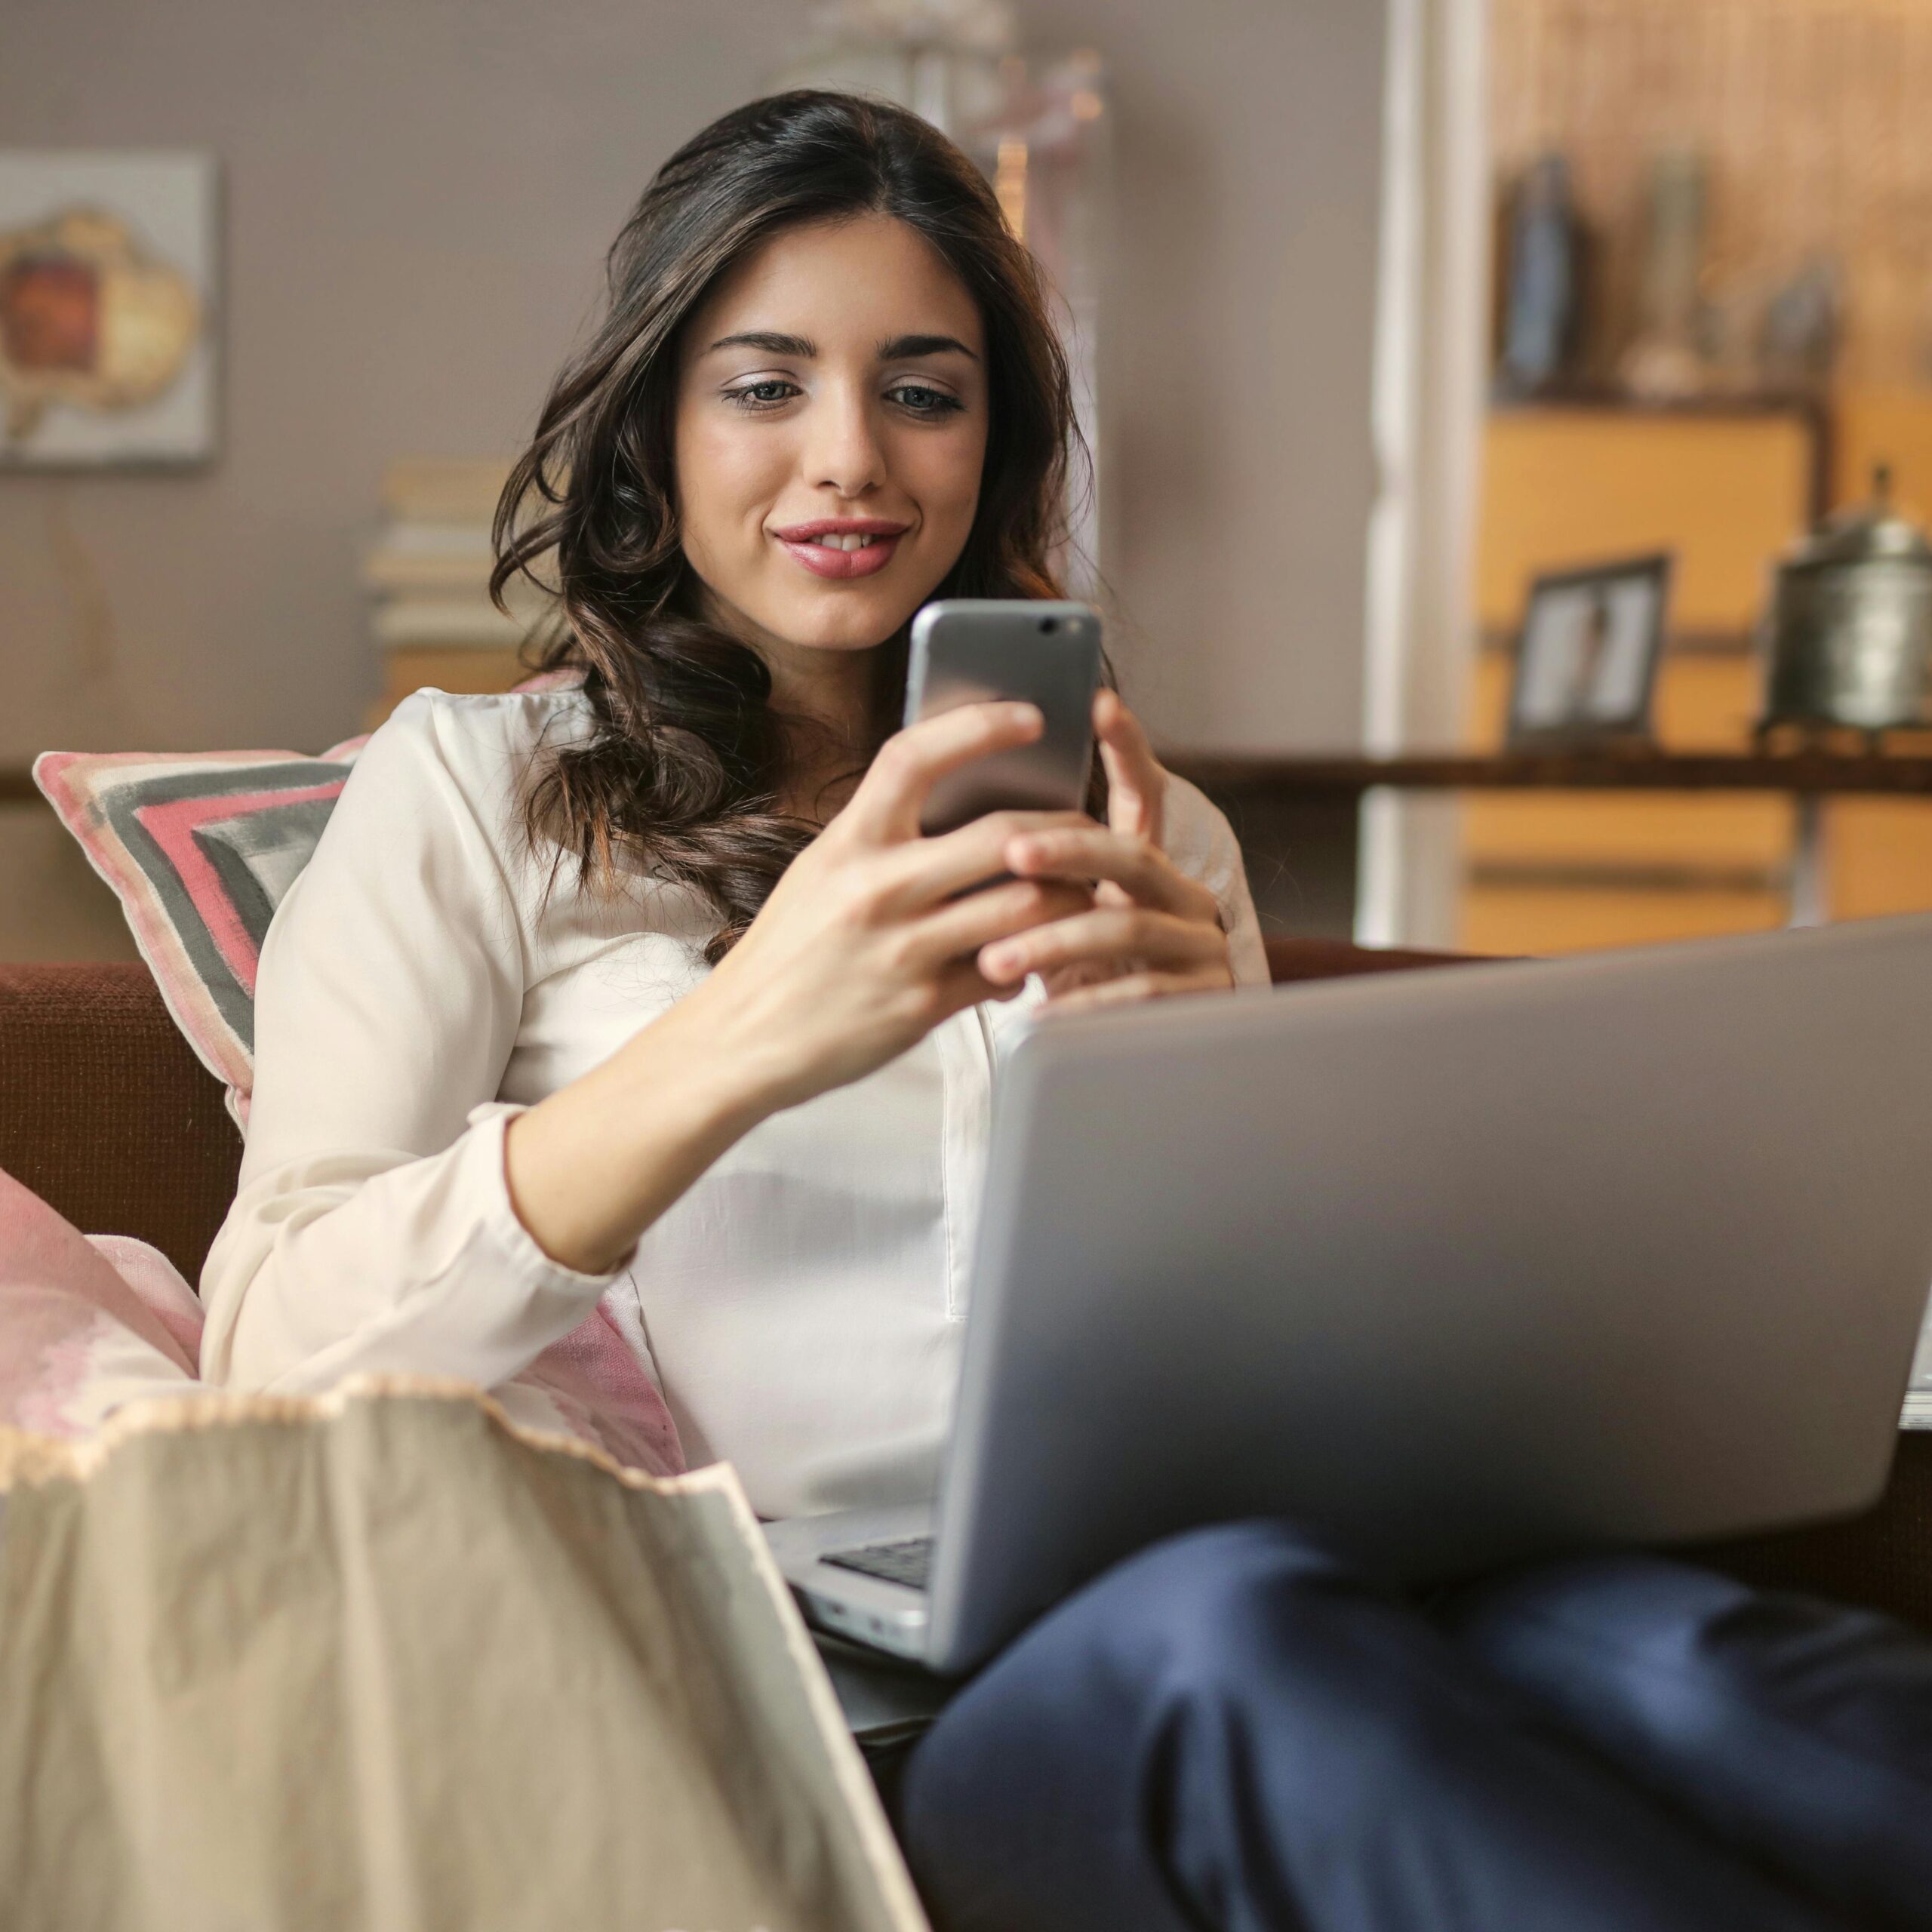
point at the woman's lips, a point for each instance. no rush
(823, 561)
(841, 547)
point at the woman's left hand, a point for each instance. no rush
(1152, 931)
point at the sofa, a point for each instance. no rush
(106, 1114)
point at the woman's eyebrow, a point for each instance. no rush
(901, 346)
(772, 344)
(895, 350)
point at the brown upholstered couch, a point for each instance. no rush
(106, 1114)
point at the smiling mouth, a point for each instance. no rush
(831, 540)
(840, 548)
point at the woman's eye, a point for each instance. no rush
(923, 400)
(767, 395)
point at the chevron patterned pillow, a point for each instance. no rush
(199, 848)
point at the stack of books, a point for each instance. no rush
(430, 572)
(1918, 1396)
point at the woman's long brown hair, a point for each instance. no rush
(683, 772)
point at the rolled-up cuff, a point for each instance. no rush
(489, 1125)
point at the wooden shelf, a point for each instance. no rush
(1792, 773)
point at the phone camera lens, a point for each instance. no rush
(1050, 624)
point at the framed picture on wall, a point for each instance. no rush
(1587, 663)
(107, 300)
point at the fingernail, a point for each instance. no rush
(998, 960)
(1024, 852)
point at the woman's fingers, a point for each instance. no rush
(962, 984)
(1135, 864)
(1130, 988)
(886, 806)
(959, 931)
(921, 872)
(1118, 938)
(1136, 784)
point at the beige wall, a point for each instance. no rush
(1235, 361)
(418, 194)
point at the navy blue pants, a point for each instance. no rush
(1232, 1730)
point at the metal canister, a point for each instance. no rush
(1847, 640)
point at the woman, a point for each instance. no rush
(643, 991)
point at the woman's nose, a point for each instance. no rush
(843, 450)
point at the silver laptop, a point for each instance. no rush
(1455, 1266)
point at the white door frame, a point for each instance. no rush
(1431, 357)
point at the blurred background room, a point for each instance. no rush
(1464, 381)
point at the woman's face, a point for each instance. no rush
(831, 427)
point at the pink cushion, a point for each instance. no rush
(78, 1336)
(88, 1322)
(158, 1285)
(603, 1393)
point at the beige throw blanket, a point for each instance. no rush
(381, 1661)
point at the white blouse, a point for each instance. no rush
(799, 1307)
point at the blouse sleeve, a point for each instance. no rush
(373, 1228)
(1202, 843)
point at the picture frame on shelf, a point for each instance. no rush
(1587, 656)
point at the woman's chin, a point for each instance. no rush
(839, 640)
(852, 622)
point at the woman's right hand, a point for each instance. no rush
(865, 945)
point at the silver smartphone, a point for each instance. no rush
(971, 649)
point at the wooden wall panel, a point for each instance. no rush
(1500, 919)
(1878, 857)
(1891, 426)
(1812, 113)
(1563, 486)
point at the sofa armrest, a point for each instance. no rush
(1291, 959)
(106, 1113)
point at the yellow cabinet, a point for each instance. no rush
(1726, 492)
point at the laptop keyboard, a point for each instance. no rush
(909, 1562)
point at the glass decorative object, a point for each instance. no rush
(1542, 305)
